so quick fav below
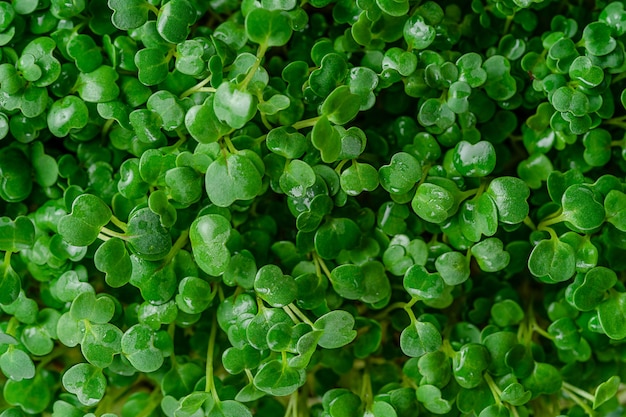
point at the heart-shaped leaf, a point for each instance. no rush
(233, 177)
(87, 382)
(474, 160)
(16, 235)
(82, 226)
(276, 289)
(337, 327)
(146, 237)
(208, 235)
(420, 338)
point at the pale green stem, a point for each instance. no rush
(493, 387)
(177, 246)
(120, 224)
(306, 123)
(198, 87)
(210, 384)
(112, 233)
(300, 314)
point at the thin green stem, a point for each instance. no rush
(7, 261)
(152, 8)
(171, 331)
(550, 221)
(291, 315)
(385, 313)
(408, 307)
(197, 88)
(366, 389)
(341, 165)
(529, 222)
(586, 395)
(120, 224)
(538, 329)
(229, 145)
(300, 314)
(618, 78)
(252, 71)
(493, 387)
(12, 326)
(578, 400)
(210, 384)
(153, 402)
(180, 243)
(103, 237)
(320, 262)
(306, 123)
(106, 127)
(112, 233)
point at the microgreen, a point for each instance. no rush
(372, 208)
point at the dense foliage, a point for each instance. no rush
(379, 208)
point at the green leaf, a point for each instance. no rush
(233, 177)
(16, 364)
(229, 408)
(31, 395)
(515, 394)
(433, 203)
(129, 14)
(96, 310)
(146, 237)
(268, 27)
(359, 177)
(87, 382)
(552, 260)
(615, 206)
(234, 106)
(326, 139)
(98, 86)
(85, 52)
(582, 208)
(544, 379)
(37, 62)
(453, 267)
(469, 363)
(474, 160)
(420, 338)
(194, 295)
(597, 39)
(138, 346)
(612, 315)
(335, 235)
(112, 258)
(174, 20)
(67, 115)
(606, 391)
(209, 235)
(341, 106)
(588, 291)
(402, 173)
(337, 327)
(276, 379)
(82, 226)
(510, 195)
(490, 255)
(430, 396)
(203, 124)
(507, 313)
(296, 178)
(500, 85)
(286, 142)
(418, 282)
(417, 33)
(16, 235)
(272, 286)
